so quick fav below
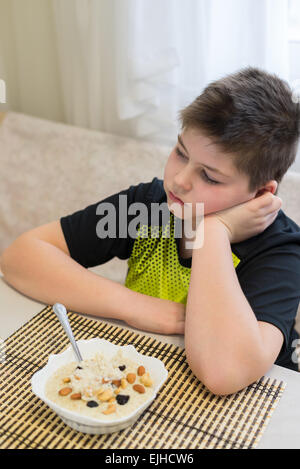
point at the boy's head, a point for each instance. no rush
(245, 125)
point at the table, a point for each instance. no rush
(283, 430)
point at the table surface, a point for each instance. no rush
(283, 430)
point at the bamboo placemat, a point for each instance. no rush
(183, 415)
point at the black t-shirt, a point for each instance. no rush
(269, 263)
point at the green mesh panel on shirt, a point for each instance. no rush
(154, 268)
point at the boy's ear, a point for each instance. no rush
(271, 186)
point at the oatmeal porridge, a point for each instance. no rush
(101, 388)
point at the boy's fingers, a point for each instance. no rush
(262, 201)
(271, 218)
(276, 203)
(269, 202)
(266, 198)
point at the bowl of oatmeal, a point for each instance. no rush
(104, 393)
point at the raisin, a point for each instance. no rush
(78, 367)
(122, 367)
(122, 399)
(92, 404)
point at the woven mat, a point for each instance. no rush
(183, 415)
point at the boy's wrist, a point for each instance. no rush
(212, 220)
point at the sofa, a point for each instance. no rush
(51, 169)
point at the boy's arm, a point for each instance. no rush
(38, 264)
(226, 347)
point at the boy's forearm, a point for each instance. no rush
(45, 273)
(222, 336)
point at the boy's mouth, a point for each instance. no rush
(175, 199)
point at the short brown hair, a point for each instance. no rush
(252, 115)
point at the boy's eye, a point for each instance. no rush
(210, 181)
(203, 173)
(179, 153)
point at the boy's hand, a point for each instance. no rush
(159, 316)
(249, 218)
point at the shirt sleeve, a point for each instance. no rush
(271, 284)
(85, 229)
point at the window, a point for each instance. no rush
(294, 54)
(294, 20)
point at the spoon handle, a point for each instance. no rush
(61, 313)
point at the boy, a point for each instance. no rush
(236, 297)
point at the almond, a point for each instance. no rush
(64, 391)
(139, 388)
(141, 370)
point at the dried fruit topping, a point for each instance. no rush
(92, 404)
(122, 399)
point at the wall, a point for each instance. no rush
(30, 65)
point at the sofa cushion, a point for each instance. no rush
(52, 169)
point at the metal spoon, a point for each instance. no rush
(61, 313)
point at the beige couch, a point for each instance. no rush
(51, 169)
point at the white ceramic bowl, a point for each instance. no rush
(88, 349)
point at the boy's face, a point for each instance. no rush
(187, 177)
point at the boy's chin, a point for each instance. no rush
(184, 212)
(190, 222)
(179, 211)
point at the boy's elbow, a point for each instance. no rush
(219, 386)
(226, 384)
(223, 381)
(224, 388)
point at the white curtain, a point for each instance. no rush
(127, 66)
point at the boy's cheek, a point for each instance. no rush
(210, 208)
(167, 175)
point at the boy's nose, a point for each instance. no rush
(183, 182)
